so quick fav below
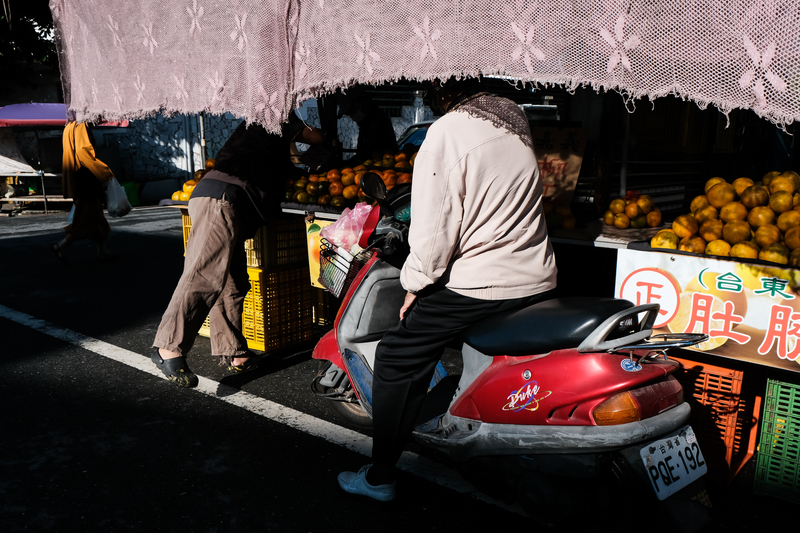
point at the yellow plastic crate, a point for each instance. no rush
(278, 310)
(282, 242)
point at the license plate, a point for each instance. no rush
(673, 462)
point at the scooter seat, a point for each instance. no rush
(543, 327)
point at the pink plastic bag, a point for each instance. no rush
(345, 232)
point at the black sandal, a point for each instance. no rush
(247, 366)
(56, 249)
(176, 370)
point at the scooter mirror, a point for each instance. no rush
(373, 186)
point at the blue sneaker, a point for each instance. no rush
(356, 483)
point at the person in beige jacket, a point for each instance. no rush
(478, 247)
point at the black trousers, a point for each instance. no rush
(407, 356)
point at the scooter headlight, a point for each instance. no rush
(619, 409)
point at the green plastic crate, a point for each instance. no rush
(778, 465)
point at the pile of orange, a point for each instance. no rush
(185, 193)
(340, 187)
(636, 211)
(743, 219)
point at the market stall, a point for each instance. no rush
(259, 59)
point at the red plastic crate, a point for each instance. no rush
(725, 420)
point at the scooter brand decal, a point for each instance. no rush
(526, 398)
(629, 365)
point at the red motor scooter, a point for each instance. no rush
(567, 407)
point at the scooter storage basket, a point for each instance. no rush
(337, 268)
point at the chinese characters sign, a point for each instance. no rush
(750, 312)
(560, 154)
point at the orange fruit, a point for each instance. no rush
(788, 220)
(301, 197)
(622, 221)
(718, 248)
(711, 230)
(711, 182)
(189, 185)
(792, 238)
(685, 226)
(736, 231)
(325, 199)
(359, 167)
(780, 201)
(680, 322)
(744, 250)
(401, 156)
(782, 183)
(768, 177)
(665, 239)
(198, 174)
(389, 179)
(645, 203)
(176, 196)
(767, 234)
(794, 258)
(708, 212)
(359, 175)
(333, 175)
(350, 192)
(402, 164)
(653, 218)
(698, 202)
(300, 185)
(754, 196)
(617, 206)
(348, 178)
(720, 194)
(760, 216)
(338, 201)
(336, 188)
(794, 176)
(740, 184)
(733, 211)
(694, 244)
(633, 210)
(796, 199)
(312, 189)
(775, 253)
(405, 177)
(210, 163)
(185, 196)
(638, 222)
(608, 217)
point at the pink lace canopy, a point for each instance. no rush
(258, 58)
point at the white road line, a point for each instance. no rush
(352, 440)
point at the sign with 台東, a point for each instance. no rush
(559, 152)
(749, 311)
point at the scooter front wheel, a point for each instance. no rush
(342, 400)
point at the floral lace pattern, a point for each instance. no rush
(256, 59)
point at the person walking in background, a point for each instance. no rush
(84, 179)
(227, 206)
(375, 131)
(479, 246)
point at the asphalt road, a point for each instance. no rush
(93, 439)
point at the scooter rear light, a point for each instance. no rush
(619, 409)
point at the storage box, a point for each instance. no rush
(278, 311)
(724, 420)
(282, 242)
(778, 464)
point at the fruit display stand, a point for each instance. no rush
(751, 310)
